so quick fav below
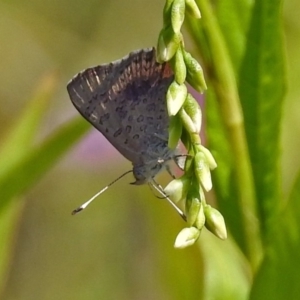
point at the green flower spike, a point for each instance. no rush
(215, 222)
(186, 237)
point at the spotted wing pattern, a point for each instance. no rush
(125, 101)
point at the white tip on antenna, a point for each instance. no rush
(85, 204)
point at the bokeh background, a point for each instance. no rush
(121, 247)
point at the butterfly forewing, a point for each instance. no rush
(125, 101)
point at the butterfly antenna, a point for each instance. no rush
(84, 205)
(158, 187)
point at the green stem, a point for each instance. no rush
(227, 92)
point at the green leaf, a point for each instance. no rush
(233, 18)
(262, 87)
(279, 276)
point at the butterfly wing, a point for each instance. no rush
(125, 101)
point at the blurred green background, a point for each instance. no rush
(122, 246)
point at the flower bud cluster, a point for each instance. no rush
(185, 124)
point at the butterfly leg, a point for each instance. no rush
(159, 188)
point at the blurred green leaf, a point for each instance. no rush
(25, 162)
(223, 175)
(9, 222)
(40, 159)
(233, 17)
(20, 137)
(279, 276)
(60, 17)
(262, 87)
(183, 273)
(227, 273)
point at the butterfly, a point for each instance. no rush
(126, 101)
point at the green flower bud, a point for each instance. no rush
(177, 189)
(175, 130)
(194, 75)
(215, 222)
(168, 42)
(185, 138)
(209, 158)
(202, 171)
(200, 220)
(177, 14)
(192, 108)
(167, 12)
(179, 67)
(194, 207)
(175, 97)
(192, 9)
(186, 237)
(186, 120)
(191, 115)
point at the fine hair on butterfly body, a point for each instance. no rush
(126, 101)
